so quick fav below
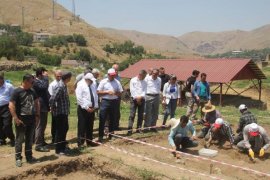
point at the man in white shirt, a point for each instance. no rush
(52, 87)
(152, 99)
(118, 114)
(87, 100)
(53, 84)
(6, 90)
(109, 90)
(138, 91)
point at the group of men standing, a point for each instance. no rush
(30, 104)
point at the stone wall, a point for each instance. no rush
(15, 66)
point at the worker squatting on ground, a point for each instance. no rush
(255, 140)
(178, 137)
(246, 118)
(220, 131)
(209, 118)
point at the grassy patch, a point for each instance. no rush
(146, 174)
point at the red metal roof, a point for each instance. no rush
(217, 70)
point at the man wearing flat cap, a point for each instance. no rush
(87, 100)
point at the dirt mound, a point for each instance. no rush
(62, 169)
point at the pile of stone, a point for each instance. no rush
(15, 66)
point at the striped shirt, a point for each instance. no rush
(225, 130)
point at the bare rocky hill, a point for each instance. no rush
(220, 42)
(152, 42)
(199, 42)
(38, 18)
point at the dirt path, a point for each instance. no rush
(105, 163)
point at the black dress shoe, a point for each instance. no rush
(31, 160)
(92, 144)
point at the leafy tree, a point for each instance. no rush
(47, 59)
(24, 38)
(8, 47)
(79, 39)
(83, 55)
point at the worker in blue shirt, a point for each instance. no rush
(178, 137)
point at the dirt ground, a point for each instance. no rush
(105, 163)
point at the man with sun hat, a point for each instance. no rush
(255, 140)
(179, 134)
(210, 116)
(220, 131)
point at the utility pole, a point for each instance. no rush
(22, 16)
(73, 10)
(54, 9)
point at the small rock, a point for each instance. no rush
(217, 171)
(180, 161)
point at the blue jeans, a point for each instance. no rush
(108, 108)
(170, 110)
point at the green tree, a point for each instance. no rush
(24, 38)
(84, 55)
(8, 47)
(79, 39)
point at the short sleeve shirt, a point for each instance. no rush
(107, 85)
(203, 92)
(24, 101)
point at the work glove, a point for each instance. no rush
(261, 152)
(251, 153)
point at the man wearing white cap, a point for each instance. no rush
(109, 90)
(87, 100)
(220, 131)
(179, 134)
(246, 118)
(255, 140)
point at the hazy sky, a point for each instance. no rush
(173, 17)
